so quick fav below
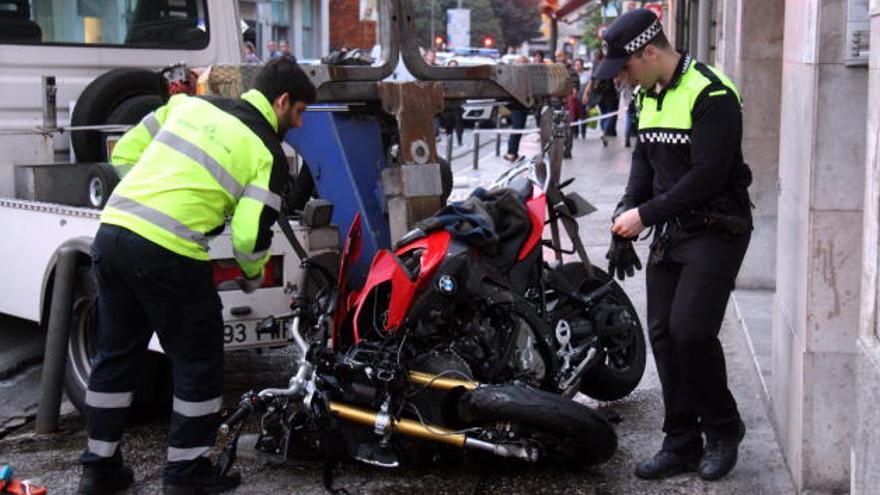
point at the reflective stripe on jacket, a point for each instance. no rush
(192, 164)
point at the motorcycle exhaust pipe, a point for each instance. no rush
(431, 432)
(441, 383)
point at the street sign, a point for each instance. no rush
(458, 27)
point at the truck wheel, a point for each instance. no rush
(152, 397)
(101, 98)
(101, 182)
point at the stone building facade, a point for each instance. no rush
(811, 124)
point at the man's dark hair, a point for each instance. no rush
(283, 75)
(660, 41)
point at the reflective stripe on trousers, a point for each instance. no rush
(196, 409)
(106, 400)
(102, 448)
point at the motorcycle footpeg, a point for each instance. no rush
(375, 455)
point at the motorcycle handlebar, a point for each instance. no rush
(245, 408)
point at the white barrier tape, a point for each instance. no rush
(538, 129)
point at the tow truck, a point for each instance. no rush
(369, 143)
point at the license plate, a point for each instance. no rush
(244, 333)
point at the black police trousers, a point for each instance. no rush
(144, 288)
(687, 297)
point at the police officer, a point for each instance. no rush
(185, 169)
(688, 181)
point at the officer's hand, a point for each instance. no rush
(248, 285)
(622, 258)
(628, 224)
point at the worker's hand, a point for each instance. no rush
(622, 258)
(628, 224)
(248, 285)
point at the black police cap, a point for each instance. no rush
(625, 36)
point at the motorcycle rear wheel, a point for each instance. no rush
(620, 372)
(568, 433)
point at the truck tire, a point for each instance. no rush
(152, 397)
(101, 98)
(100, 184)
(570, 433)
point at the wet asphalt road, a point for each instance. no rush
(51, 459)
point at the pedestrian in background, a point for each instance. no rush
(284, 50)
(272, 50)
(689, 182)
(538, 58)
(452, 118)
(583, 81)
(604, 94)
(518, 115)
(250, 54)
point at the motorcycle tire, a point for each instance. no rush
(571, 433)
(609, 380)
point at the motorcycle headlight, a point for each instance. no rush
(447, 285)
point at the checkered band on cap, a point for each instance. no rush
(642, 39)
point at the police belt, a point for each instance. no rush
(723, 214)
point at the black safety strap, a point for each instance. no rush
(291, 237)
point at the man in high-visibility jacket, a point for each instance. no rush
(186, 168)
(688, 180)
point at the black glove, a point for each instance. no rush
(249, 285)
(622, 258)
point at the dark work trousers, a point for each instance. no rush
(517, 121)
(608, 124)
(687, 298)
(452, 121)
(142, 288)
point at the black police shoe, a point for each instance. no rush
(102, 479)
(720, 456)
(665, 464)
(203, 481)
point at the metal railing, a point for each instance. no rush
(498, 132)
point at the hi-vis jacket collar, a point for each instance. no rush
(263, 105)
(684, 63)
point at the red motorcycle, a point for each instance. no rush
(473, 282)
(462, 338)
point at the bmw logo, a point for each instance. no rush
(446, 284)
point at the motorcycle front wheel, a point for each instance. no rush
(566, 432)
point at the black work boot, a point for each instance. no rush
(203, 481)
(665, 464)
(101, 479)
(720, 456)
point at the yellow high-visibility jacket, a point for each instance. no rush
(192, 164)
